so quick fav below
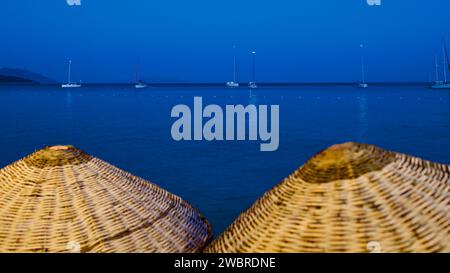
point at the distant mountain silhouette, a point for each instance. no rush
(13, 75)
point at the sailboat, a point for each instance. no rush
(69, 84)
(140, 84)
(252, 84)
(436, 65)
(363, 83)
(233, 83)
(442, 84)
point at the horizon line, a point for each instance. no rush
(244, 84)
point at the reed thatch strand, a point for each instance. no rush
(349, 198)
(60, 199)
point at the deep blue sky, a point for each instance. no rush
(192, 41)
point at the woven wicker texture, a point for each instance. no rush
(349, 198)
(60, 199)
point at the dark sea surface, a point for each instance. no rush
(132, 129)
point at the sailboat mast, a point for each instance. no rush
(444, 56)
(70, 65)
(363, 74)
(234, 68)
(437, 67)
(234, 64)
(137, 73)
(254, 66)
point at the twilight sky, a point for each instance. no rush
(192, 40)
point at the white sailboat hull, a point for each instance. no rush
(71, 85)
(363, 85)
(140, 86)
(252, 85)
(232, 84)
(440, 86)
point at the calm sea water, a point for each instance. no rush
(131, 129)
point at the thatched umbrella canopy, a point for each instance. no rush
(60, 199)
(349, 198)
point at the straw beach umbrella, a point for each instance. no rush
(349, 198)
(60, 199)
